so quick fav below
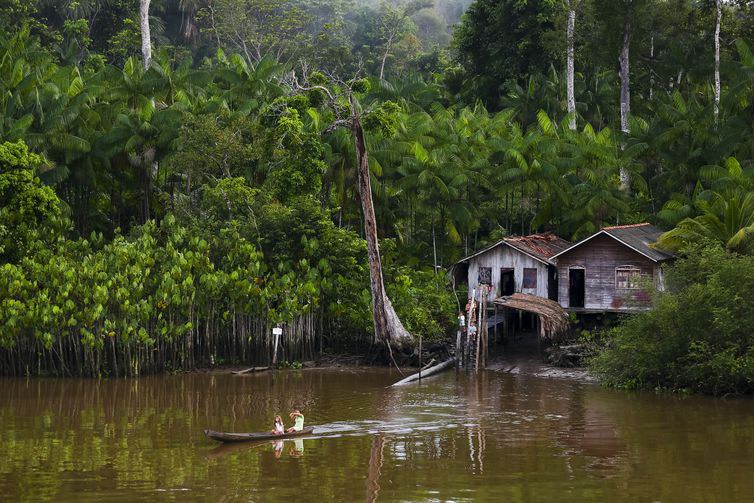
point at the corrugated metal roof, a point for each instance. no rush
(638, 237)
(538, 246)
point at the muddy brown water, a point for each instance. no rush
(496, 437)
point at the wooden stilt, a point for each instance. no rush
(480, 326)
(459, 349)
(469, 340)
(486, 341)
(466, 345)
(420, 356)
(505, 325)
(495, 330)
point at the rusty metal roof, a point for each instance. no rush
(542, 246)
(538, 246)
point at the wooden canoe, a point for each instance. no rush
(251, 437)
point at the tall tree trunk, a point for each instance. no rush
(651, 73)
(569, 65)
(719, 6)
(625, 94)
(434, 245)
(385, 55)
(146, 38)
(387, 326)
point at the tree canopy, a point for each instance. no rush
(225, 159)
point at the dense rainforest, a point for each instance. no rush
(179, 176)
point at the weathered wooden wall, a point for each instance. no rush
(600, 256)
(504, 256)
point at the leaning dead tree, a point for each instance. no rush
(349, 115)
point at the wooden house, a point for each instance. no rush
(611, 270)
(515, 264)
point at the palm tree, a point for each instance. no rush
(580, 170)
(726, 218)
(540, 92)
(143, 124)
(682, 138)
(246, 87)
(442, 157)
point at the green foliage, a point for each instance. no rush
(383, 119)
(125, 43)
(152, 291)
(210, 147)
(296, 167)
(30, 213)
(215, 141)
(727, 219)
(424, 303)
(360, 85)
(698, 337)
(499, 41)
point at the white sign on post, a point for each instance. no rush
(277, 332)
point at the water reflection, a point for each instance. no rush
(455, 437)
(376, 459)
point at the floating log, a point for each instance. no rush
(428, 365)
(250, 369)
(426, 373)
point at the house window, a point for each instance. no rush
(627, 278)
(530, 277)
(485, 275)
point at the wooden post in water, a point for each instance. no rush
(495, 329)
(420, 356)
(486, 340)
(469, 319)
(458, 344)
(480, 326)
(276, 332)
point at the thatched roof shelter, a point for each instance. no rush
(553, 319)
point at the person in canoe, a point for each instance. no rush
(279, 429)
(298, 421)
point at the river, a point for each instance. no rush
(455, 437)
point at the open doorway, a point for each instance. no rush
(576, 287)
(507, 282)
(552, 283)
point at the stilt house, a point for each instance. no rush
(613, 270)
(535, 280)
(515, 264)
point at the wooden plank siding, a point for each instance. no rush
(504, 256)
(600, 257)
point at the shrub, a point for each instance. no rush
(699, 337)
